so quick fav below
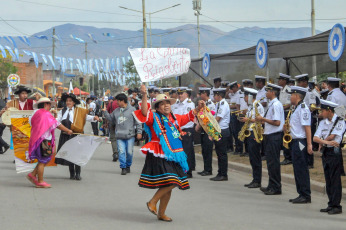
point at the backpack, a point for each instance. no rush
(98, 109)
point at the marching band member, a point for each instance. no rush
(260, 83)
(329, 134)
(301, 145)
(217, 84)
(173, 93)
(273, 120)
(309, 100)
(235, 124)
(184, 106)
(254, 147)
(285, 99)
(247, 83)
(206, 143)
(222, 115)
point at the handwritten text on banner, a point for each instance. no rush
(153, 64)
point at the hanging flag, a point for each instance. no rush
(99, 75)
(70, 60)
(77, 39)
(85, 66)
(8, 40)
(124, 61)
(90, 65)
(43, 58)
(97, 65)
(70, 90)
(57, 37)
(110, 74)
(3, 52)
(63, 67)
(92, 38)
(25, 40)
(16, 52)
(27, 53)
(112, 65)
(41, 37)
(102, 63)
(118, 64)
(128, 58)
(13, 42)
(59, 60)
(51, 61)
(108, 35)
(80, 65)
(11, 52)
(107, 65)
(34, 55)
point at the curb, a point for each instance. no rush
(286, 178)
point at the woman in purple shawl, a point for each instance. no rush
(43, 125)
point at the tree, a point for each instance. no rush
(132, 81)
(6, 68)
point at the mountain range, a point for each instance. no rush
(212, 39)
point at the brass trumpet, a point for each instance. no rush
(238, 111)
(313, 107)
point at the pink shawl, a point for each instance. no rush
(41, 122)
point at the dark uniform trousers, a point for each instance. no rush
(207, 152)
(187, 142)
(272, 147)
(287, 152)
(300, 167)
(332, 173)
(314, 145)
(235, 124)
(95, 127)
(221, 152)
(230, 139)
(254, 149)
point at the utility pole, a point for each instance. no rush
(144, 25)
(313, 33)
(197, 6)
(86, 59)
(53, 70)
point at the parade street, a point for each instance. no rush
(104, 199)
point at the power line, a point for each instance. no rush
(12, 26)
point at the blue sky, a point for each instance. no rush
(109, 11)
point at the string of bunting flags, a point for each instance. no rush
(110, 69)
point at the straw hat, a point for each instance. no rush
(162, 97)
(44, 100)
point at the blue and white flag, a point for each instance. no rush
(13, 41)
(34, 55)
(57, 37)
(11, 52)
(108, 35)
(99, 75)
(16, 52)
(124, 61)
(3, 52)
(85, 66)
(79, 65)
(118, 64)
(27, 53)
(77, 39)
(51, 61)
(25, 40)
(91, 36)
(43, 58)
(90, 66)
(102, 63)
(41, 37)
(107, 65)
(97, 65)
(63, 67)
(70, 60)
(112, 65)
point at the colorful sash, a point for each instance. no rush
(170, 141)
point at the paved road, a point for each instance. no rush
(106, 200)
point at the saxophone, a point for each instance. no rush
(257, 127)
(287, 134)
(244, 132)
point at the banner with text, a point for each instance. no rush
(154, 64)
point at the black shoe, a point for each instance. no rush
(123, 171)
(302, 200)
(1, 152)
(72, 177)
(78, 177)
(115, 157)
(200, 173)
(244, 154)
(264, 158)
(264, 189)
(286, 162)
(335, 211)
(128, 170)
(189, 175)
(219, 178)
(291, 200)
(206, 174)
(255, 185)
(6, 148)
(247, 185)
(326, 209)
(272, 192)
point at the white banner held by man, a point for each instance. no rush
(154, 64)
(80, 149)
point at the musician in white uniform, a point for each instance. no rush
(329, 135)
(301, 145)
(217, 84)
(235, 123)
(260, 86)
(184, 106)
(253, 146)
(274, 119)
(206, 143)
(222, 116)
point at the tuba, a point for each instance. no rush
(257, 127)
(287, 134)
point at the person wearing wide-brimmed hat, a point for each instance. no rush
(73, 118)
(166, 163)
(22, 103)
(42, 139)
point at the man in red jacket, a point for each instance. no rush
(23, 103)
(112, 105)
